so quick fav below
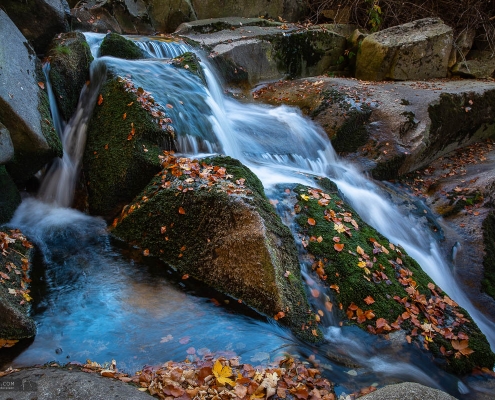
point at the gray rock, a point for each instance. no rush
(481, 66)
(38, 20)
(167, 15)
(23, 105)
(6, 145)
(96, 19)
(267, 50)
(413, 51)
(409, 391)
(57, 383)
(137, 8)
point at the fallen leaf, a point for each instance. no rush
(311, 221)
(338, 246)
(100, 99)
(41, 85)
(222, 373)
(369, 300)
(182, 211)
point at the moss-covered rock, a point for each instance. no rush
(210, 219)
(15, 322)
(190, 62)
(488, 282)
(125, 137)
(118, 46)
(9, 196)
(378, 287)
(70, 57)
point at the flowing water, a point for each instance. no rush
(96, 303)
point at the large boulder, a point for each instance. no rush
(259, 50)
(118, 46)
(479, 65)
(413, 51)
(122, 148)
(390, 129)
(378, 287)
(38, 20)
(15, 300)
(70, 57)
(24, 108)
(210, 219)
(167, 15)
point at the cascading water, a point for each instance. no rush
(280, 146)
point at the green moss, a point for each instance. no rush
(119, 165)
(70, 58)
(190, 62)
(488, 282)
(9, 196)
(353, 132)
(118, 46)
(368, 265)
(186, 223)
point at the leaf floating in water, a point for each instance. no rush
(170, 106)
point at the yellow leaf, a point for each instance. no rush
(305, 197)
(340, 228)
(222, 373)
(361, 264)
(26, 296)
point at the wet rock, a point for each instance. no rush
(118, 46)
(38, 20)
(408, 390)
(267, 50)
(24, 108)
(211, 220)
(167, 15)
(15, 323)
(53, 383)
(70, 57)
(121, 154)
(9, 196)
(390, 128)
(413, 51)
(378, 287)
(6, 145)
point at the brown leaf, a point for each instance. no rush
(240, 390)
(311, 221)
(369, 300)
(41, 85)
(338, 247)
(182, 211)
(100, 99)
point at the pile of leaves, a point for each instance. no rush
(183, 174)
(14, 275)
(376, 284)
(224, 379)
(147, 102)
(381, 14)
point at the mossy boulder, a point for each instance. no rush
(15, 252)
(9, 196)
(70, 57)
(378, 287)
(488, 282)
(190, 62)
(211, 220)
(118, 46)
(125, 137)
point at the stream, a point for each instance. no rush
(95, 301)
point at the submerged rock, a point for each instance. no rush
(211, 220)
(15, 252)
(24, 108)
(413, 51)
(123, 144)
(408, 390)
(378, 287)
(70, 57)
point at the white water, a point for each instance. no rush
(279, 145)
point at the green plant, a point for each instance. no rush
(375, 15)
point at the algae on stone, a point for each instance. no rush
(70, 57)
(123, 144)
(118, 46)
(210, 219)
(378, 287)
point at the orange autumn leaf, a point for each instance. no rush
(338, 246)
(100, 99)
(462, 347)
(335, 287)
(315, 292)
(182, 211)
(328, 306)
(311, 221)
(359, 250)
(369, 300)
(41, 85)
(369, 314)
